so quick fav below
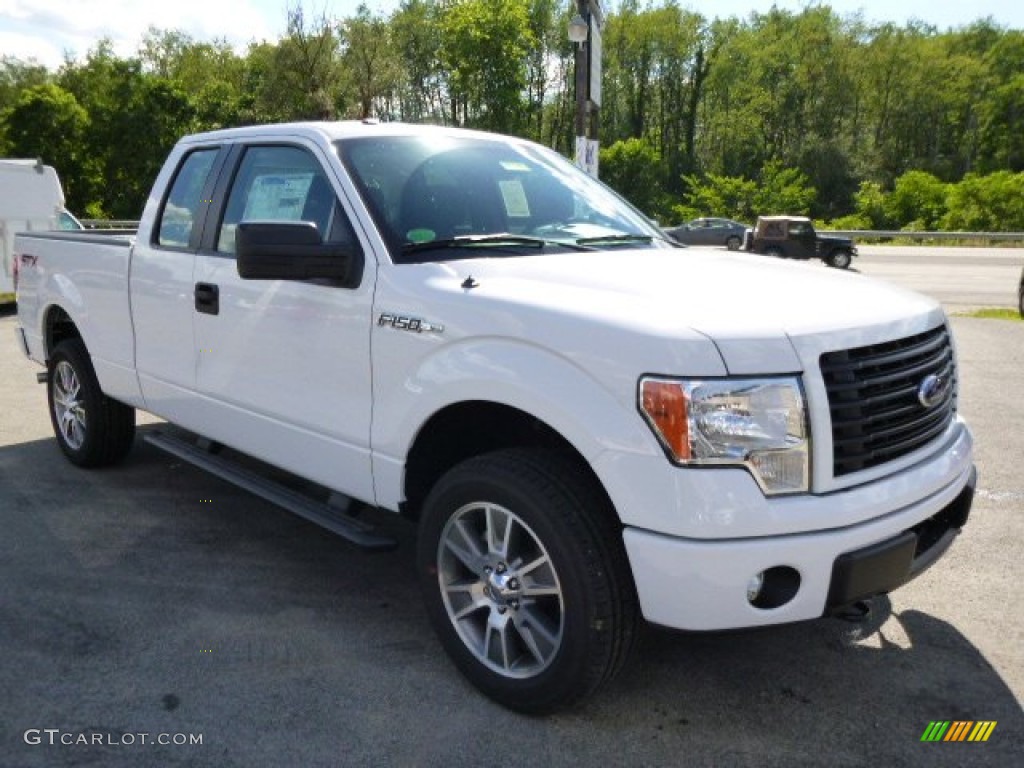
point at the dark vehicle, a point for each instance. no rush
(794, 237)
(1020, 294)
(709, 231)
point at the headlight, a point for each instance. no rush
(760, 424)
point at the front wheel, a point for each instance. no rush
(840, 259)
(526, 580)
(733, 243)
(91, 429)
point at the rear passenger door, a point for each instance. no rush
(283, 366)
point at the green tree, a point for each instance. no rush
(546, 61)
(17, 76)
(783, 190)
(417, 43)
(299, 77)
(47, 122)
(870, 206)
(211, 74)
(134, 120)
(1001, 114)
(370, 65)
(993, 203)
(918, 200)
(484, 45)
(714, 195)
(633, 168)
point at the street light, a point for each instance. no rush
(578, 29)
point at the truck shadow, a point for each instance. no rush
(153, 582)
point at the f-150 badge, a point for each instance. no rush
(403, 323)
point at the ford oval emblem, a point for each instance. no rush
(932, 390)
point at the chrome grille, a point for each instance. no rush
(877, 415)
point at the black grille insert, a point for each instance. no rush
(877, 414)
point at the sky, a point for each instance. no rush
(47, 29)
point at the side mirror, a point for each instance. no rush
(294, 250)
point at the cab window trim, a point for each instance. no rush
(199, 219)
(225, 184)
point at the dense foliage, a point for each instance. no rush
(809, 112)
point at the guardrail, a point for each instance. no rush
(109, 224)
(892, 234)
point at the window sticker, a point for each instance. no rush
(513, 165)
(420, 235)
(277, 198)
(514, 197)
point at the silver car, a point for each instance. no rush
(709, 231)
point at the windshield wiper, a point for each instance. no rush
(600, 239)
(491, 241)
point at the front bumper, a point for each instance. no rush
(882, 567)
(702, 585)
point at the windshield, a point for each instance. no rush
(439, 197)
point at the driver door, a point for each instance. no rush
(283, 366)
(802, 240)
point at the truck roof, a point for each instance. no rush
(341, 129)
(783, 218)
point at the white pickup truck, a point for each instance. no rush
(589, 423)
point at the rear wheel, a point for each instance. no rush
(773, 252)
(840, 259)
(526, 580)
(91, 429)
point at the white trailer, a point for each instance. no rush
(31, 199)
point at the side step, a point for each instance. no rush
(355, 531)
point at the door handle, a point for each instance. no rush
(207, 298)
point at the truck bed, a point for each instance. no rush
(87, 274)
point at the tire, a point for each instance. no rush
(775, 253)
(840, 259)
(732, 243)
(91, 429)
(525, 578)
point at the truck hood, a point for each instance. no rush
(720, 294)
(754, 308)
(836, 239)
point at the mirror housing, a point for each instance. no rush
(294, 250)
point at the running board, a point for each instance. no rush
(354, 531)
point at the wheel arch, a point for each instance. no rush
(57, 327)
(465, 429)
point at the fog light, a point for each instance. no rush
(754, 587)
(773, 587)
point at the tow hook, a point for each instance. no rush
(855, 613)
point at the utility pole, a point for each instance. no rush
(585, 33)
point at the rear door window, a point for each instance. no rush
(184, 204)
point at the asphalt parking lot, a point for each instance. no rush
(152, 602)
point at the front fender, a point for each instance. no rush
(528, 377)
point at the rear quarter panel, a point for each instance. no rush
(86, 276)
